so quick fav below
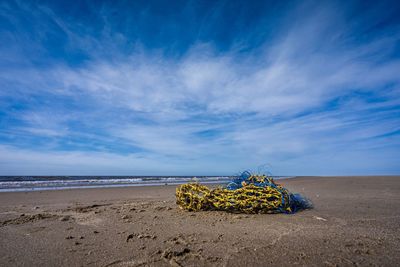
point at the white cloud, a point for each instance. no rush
(252, 102)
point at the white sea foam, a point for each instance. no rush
(33, 184)
(27, 183)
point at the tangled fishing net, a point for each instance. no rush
(246, 193)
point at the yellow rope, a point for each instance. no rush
(247, 199)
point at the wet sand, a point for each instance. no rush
(355, 221)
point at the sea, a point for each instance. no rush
(39, 183)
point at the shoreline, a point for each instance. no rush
(89, 183)
(354, 222)
(212, 182)
(79, 187)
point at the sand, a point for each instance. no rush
(355, 221)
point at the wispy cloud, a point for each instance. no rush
(319, 96)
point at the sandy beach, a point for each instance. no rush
(355, 221)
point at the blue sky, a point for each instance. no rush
(199, 87)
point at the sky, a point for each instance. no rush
(199, 87)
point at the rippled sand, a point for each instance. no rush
(355, 222)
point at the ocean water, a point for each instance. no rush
(35, 183)
(38, 183)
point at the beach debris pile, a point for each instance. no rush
(247, 193)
